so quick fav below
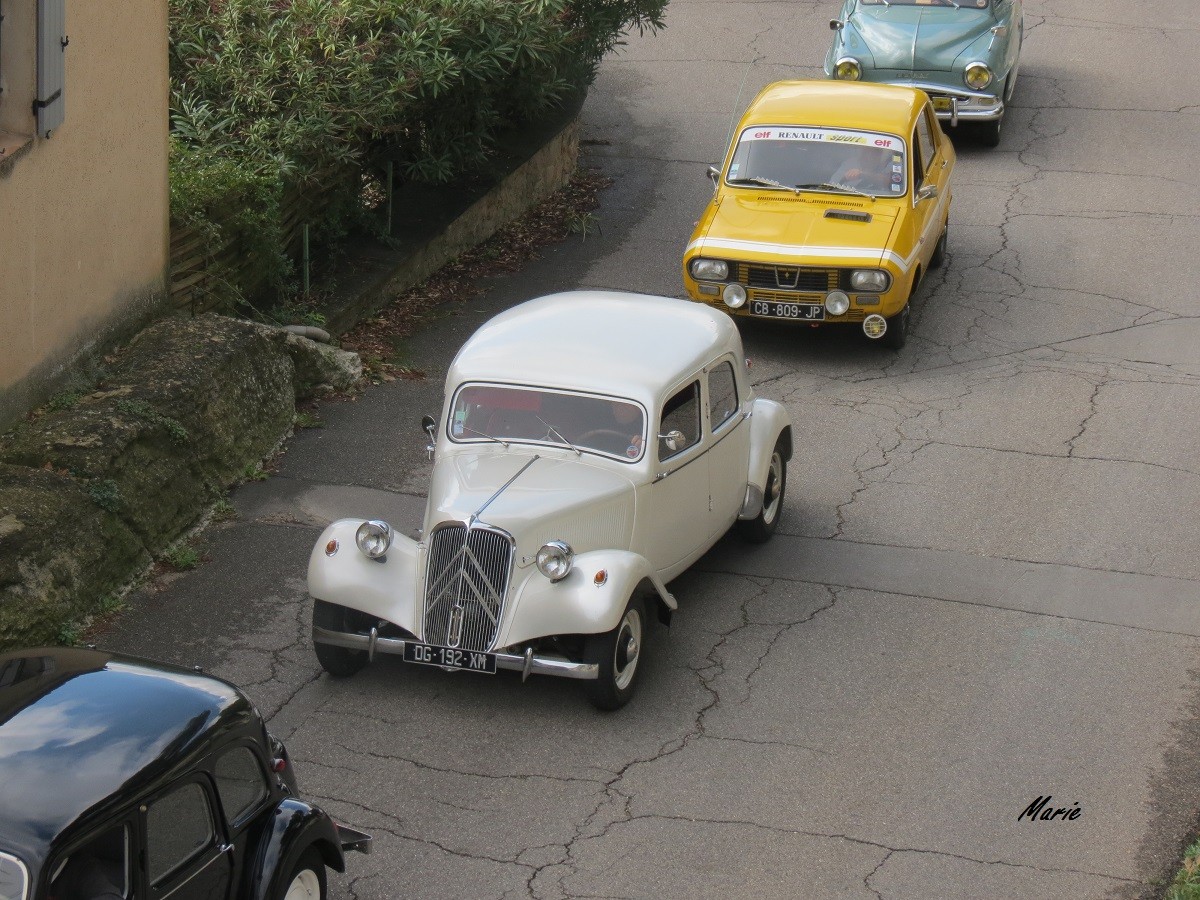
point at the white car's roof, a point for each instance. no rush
(630, 345)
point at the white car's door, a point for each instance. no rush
(678, 497)
(729, 430)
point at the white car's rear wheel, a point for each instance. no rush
(759, 529)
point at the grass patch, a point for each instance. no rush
(1186, 885)
(223, 511)
(253, 472)
(181, 557)
(305, 419)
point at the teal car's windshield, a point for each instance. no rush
(798, 157)
(957, 4)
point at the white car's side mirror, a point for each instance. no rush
(427, 425)
(672, 439)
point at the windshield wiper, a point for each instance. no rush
(759, 179)
(828, 186)
(558, 435)
(503, 444)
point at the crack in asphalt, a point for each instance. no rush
(891, 851)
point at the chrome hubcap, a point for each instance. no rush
(772, 495)
(628, 646)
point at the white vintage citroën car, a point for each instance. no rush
(591, 447)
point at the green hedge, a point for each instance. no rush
(267, 93)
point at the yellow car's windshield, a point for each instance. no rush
(796, 157)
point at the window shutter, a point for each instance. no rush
(50, 105)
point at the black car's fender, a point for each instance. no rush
(294, 827)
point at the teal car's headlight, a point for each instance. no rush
(977, 76)
(554, 560)
(874, 280)
(709, 269)
(847, 69)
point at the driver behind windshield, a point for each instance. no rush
(867, 169)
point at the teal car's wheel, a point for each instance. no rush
(989, 132)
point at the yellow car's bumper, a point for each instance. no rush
(791, 293)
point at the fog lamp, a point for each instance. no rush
(874, 326)
(734, 295)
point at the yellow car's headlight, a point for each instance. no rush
(709, 269)
(875, 280)
(848, 69)
(977, 76)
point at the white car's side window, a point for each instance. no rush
(680, 422)
(722, 395)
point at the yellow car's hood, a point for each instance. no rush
(774, 225)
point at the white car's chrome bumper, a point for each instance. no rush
(527, 663)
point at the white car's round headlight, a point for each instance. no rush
(710, 269)
(847, 69)
(734, 295)
(374, 538)
(836, 303)
(977, 76)
(554, 560)
(874, 280)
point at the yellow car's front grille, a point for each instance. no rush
(786, 278)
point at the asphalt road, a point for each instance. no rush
(987, 584)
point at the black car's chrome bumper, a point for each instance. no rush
(527, 663)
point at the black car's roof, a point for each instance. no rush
(83, 732)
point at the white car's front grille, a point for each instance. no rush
(466, 585)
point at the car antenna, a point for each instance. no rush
(737, 104)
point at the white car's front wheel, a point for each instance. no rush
(618, 654)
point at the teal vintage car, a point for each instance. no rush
(962, 53)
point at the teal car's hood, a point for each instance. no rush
(919, 37)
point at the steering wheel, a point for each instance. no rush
(589, 437)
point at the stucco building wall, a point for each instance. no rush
(84, 229)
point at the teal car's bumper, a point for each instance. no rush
(952, 104)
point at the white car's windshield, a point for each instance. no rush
(819, 159)
(587, 422)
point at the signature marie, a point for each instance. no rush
(1041, 810)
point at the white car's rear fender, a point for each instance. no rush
(581, 603)
(385, 587)
(768, 421)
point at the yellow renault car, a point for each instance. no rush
(832, 202)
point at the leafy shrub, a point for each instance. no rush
(268, 94)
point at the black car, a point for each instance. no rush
(124, 778)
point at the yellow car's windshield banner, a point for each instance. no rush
(863, 138)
